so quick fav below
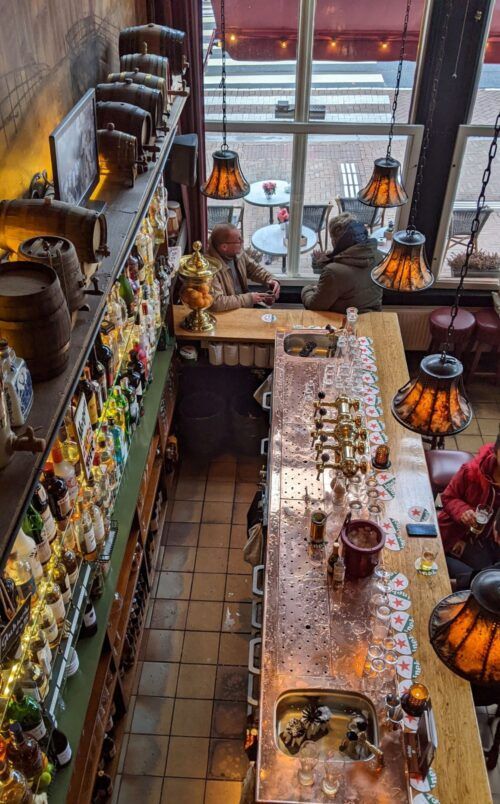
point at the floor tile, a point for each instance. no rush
(188, 757)
(158, 678)
(130, 713)
(204, 616)
(222, 470)
(175, 585)
(489, 427)
(190, 488)
(164, 646)
(138, 676)
(239, 588)
(186, 511)
(152, 715)
(192, 718)
(240, 510)
(219, 491)
(472, 428)
(217, 512)
(183, 791)
(146, 754)
(225, 457)
(211, 559)
(469, 443)
(237, 618)
(196, 681)
(239, 535)
(214, 535)
(193, 466)
(245, 492)
(208, 586)
(227, 760)
(123, 752)
(183, 533)
(237, 563)
(169, 614)
(233, 649)
(222, 792)
(229, 719)
(179, 559)
(147, 789)
(486, 410)
(231, 683)
(200, 647)
(159, 558)
(247, 470)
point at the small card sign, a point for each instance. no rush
(13, 630)
(84, 435)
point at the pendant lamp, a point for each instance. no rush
(405, 268)
(385, 187)
(226, 181)
(434, 403)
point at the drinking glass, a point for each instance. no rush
(373, 677)
(383, 576)
(373, 652)
(376, 511)
(483, 514)
(334, 766)
(381, 624)
(356, 508)
(425, 563)
(308, 758)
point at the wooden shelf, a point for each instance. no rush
(125, 209)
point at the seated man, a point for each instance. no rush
(476, 483)
(230, 284)
(345, 279)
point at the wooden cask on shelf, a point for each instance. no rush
(147, 98)
(34, 317)
(127, 118)
(149, 63)
(23, 218)
(118, 154)
(159, 39)
(60, 254)
(145, 79)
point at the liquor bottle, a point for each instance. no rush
(55, 602)
(110, 339)
(48, 625)
(57, 572)
(24, 753)
(135, 381)
(121, 411)
(139, 357)
(68, 557)
(103, 787)
(33, 680)
(25, 547)
(60, 748)
(99, 484)
(130, 395)
(338, 576)
(89, 623)
(333, 558)
(105, 356)
(108, 748)
(87, 389)
(19, 570)
(98, 374)
(14, 787)
(40, 651)
(71, 453)
(58, 494)
(33, 526)
(126, 292)
(106, 467)
(40, 503)
(17, 384)
(65, 470)
(96, 516)
(27, 711)
(98, 583)
(85, 534)
(118, 441)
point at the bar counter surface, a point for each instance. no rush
(459, 763)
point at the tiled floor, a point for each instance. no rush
(186, 723)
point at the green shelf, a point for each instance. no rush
(79, 686)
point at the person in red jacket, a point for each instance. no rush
(476, 483)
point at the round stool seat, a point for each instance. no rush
(439, 321)
(442, 465)
(488, 327)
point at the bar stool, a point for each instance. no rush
(442, 465)
(439, 321)
(487, 335)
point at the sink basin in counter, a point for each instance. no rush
(324, 345)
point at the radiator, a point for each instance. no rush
(413, 322)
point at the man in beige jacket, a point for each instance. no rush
(230, 284)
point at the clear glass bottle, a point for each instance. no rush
(65, 470)
(85, 534)
(33, 680)
(17, 384)
(57, 572)
(25, 547)
(40, 503)
(19, 570)
(96, 516)
(33, 526)
(49, 625)
(54, 600)
(40, 651)
(14, 787)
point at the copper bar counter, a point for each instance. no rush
(302, 630)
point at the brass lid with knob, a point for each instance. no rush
(197, 265)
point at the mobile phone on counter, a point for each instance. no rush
(421, 530)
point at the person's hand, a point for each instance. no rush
(468, 518)
(259, 298)
(274, 285)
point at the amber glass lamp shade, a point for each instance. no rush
(464, 630)
(226, 180)
(405, 268)
(385, 188)
(434, 404)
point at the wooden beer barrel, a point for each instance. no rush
(151, 100)
(23, 218)
(149, 63)
(125, 117)
(60, 254)
(146, 79)
(34, 317)
(117, 153)
(160, 39)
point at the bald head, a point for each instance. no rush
(226, 240)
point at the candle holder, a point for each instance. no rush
(416, 700)
(381, 458)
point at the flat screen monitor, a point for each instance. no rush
(74, 153)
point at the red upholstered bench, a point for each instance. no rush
(487, 335)
(442, 464)
(464, 325)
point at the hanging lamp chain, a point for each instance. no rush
(398, 78)
(223, 75)
(428, 126)
(471, 245)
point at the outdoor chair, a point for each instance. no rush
(315, 217)
(225, 214)
(372, 217)
(461, 220)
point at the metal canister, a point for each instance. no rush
(318, 526)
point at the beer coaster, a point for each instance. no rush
(404, 685)
(399, 601)
(365, 340)
(269, 318)
(425, 798)
(402, 622)
(405, 645)
(394, 542)
(399, 581)
(431, 571)
(424, 784)
(418, 513)
(374, 426)
(378, 438)
(408, 667)
(373, 412)
(370, 397)
(369, 365)
(369, 378)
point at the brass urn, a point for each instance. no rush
(197, 272)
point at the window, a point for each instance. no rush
(488, 92)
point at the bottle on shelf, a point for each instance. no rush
(60, 748)
(58, 573)
(53, 598)
(86, 387)
(98, 374)
(89, 623)
(338, 575)
(119, 442)
(33, 526)
(48, 625)
(34, 680)
(105, 357)
(27, 711)
(71, 453)
(40, 503)
(68, 557)
(85, 535)
(65, 470)
(17, 384)
(94, 511)
(39, 651)
(127, 294)
(14, 787)
(103, 787)
(333, 558)
(19, 571)
(25, 547)
(108, 748)
(58, 494)
(24, 753)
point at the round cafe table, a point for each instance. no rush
(270, 240)
(258, 198)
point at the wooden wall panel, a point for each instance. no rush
(51, 52)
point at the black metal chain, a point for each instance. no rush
(473, 231)
(223, 75)
(398, 78)
(428, 126)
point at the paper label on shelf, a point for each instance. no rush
(90, 618)
(58, 609)
(64, 756)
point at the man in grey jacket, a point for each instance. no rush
(345, 280)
